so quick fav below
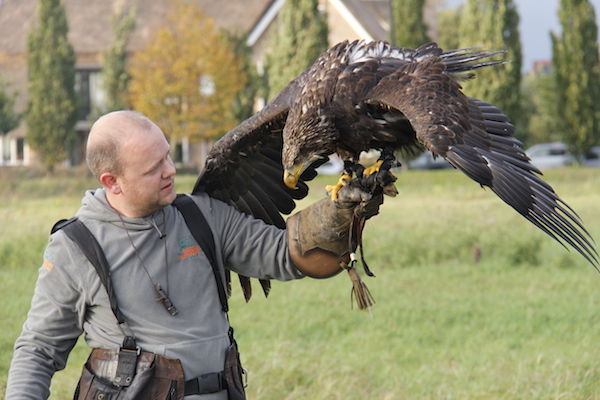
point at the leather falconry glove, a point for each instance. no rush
(322, 238)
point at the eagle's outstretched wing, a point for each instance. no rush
(244, 169)
(476, 138)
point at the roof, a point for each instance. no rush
(90, 20)
(373, 15)
(368, 18)
(90, 30)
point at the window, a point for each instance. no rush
(557, 152)
(91, 98)
(12, 150)
(178, 153)
(20, 149)
(5, 149)
(593, 154)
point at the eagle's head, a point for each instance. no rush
(309, 135)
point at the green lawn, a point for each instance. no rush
(523, 323)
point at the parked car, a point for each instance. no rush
(550, 155)
(592, 158)
(556, 154)
(543, 156)
(426, 161)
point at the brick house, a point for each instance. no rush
(90, 33)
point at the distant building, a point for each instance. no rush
(90, 33)
(541, 67)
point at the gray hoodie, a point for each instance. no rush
(69, 298)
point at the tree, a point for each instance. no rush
(448, 28)
(52, 106)
(493, 24)
(575, 59)
(243, 103)
(9, 119)
(408, 28)
(540, 99)
(300, 37)
(115, 77)
(187, 78)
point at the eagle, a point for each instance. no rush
(359, 96)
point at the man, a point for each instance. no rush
(148, 246)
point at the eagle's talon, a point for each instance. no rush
(373, 168)
(334, 190)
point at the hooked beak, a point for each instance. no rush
(292, 175)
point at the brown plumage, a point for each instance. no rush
(359, 96)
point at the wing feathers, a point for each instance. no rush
(255, 141)
(538, 202)
(471, 164)
(271, 212)
(499, 127)
(466, 60)
(378, 94)
(476, 138)
(269, 184)
(246, 286)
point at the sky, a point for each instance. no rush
(538, 18)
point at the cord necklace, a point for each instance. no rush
(163, 296)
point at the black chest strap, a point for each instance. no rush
(85, 240)
(201, 232)
(196, 223)
(81, 235)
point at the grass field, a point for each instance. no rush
(522, 323)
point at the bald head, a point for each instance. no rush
(109, 134)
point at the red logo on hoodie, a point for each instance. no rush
(188, 249)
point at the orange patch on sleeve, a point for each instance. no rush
(47, 265)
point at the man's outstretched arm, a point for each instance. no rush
(50, 331)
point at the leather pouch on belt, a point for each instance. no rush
(234, 373)
(156, 377)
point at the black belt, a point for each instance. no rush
(212, 382)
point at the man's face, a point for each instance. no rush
(148, 178)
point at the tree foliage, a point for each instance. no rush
(575, 59)
(493, 24)
(408, 28)
(540, 99)
(187, 78)
(115, 76)
(9, 119)
(52, 107)
(300, 37)
(243, 103)
(448, 28)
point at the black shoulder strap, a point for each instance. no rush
(81, 235)
(194, 219)
(201, 231)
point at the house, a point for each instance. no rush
(90, 33)
(350, 19)
(541, 67)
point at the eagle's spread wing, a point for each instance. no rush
(244, 169)
(373, 95)
(476, 138)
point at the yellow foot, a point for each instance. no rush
(373, 168)
(333, 190)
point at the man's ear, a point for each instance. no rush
(110, 183)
